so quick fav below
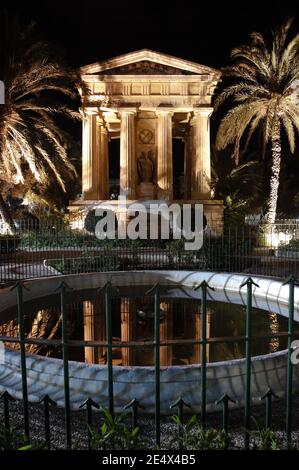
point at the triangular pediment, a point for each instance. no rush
(146, 62)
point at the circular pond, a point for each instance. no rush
(132, 324)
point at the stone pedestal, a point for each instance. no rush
(146, 191)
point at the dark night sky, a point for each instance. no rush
(92, 30)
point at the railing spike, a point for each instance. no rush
(179, 404)
(203, 285)
(224, 400)
(47, 399)
(89, 403)
(63, 284)
(7, 396)
(249, 281)
(153, 289)
(19, 284)
(268, 395)
(135, 405)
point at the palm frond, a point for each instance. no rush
(30, 137)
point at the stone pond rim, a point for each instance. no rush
(45, 375)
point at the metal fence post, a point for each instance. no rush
(268, 397)
(225, 399)
(291, 281)
(179, 404)
(46, 400)
(248, 339)
(65, 357)
(204, 286)
(134, 405)
(89, 403)
(19, 287)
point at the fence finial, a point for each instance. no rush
(249, 282)
(203, 285)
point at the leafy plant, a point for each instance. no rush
(33, 145)
(264, 438)
(114, 433)
(9, 243)
(193, 436)
(13, 439)
(92, 219)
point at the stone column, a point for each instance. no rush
(164, 157)
(208, 333)
(104, 162)
(196, 321)
(127, 311)
(187, 165)
(127, 153)
(90, 157)
(166, 333)
(94, 330)
(201, 155)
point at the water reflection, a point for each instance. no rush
(133, 321)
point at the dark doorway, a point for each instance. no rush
(114, 167)
(178, 150)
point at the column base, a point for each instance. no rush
(212, 209)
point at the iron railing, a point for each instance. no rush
(46, 249)
(107, 292)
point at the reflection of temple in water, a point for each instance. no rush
(133, 320)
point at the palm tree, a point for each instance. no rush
(236, 181)
(263, 85)
(30, 139)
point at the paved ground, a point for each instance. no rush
(147, 436)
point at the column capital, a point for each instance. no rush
(127, 110)
(202, 111)
(164, 110)
(90, 111)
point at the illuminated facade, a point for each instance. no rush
(146, 99)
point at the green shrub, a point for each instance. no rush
(264, 438)
(9, 243)
(92, 219)
(114, 434)
(230, 252)
(13, 439)
(89, 263)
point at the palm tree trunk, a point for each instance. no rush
(271, 203)
(6, 215)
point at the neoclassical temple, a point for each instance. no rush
(146, 100)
